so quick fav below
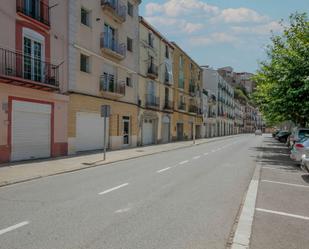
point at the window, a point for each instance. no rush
(129, 44)
(130, 9)
(110, 40)
(129, 82)
(167, 55)
(181, 82)
(84, 63)
(85, 17)
(150, 39)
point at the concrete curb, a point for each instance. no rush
(3, 184)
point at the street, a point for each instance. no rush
(187, 198)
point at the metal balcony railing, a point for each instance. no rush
(182, 106)
(109, 84)
(13, 64)
(168, 105)
(117, 8)
(153, 70)
(152, 101)
(193, 108)
(37, 10)
(107, 42)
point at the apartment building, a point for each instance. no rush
(155, 89)
(188, 115)
(250, 118)
(225, 108)
(210, 86)
(103, 59)
(33, 78)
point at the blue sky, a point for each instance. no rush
(221, 32)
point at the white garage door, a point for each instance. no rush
(31, 130)
(148, 132)
(90, 131)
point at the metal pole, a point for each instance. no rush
(104, 145)
(193, 132)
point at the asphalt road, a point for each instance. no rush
(182, 199)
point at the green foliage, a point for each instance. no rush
(283, 80)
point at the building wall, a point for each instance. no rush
(82, 103)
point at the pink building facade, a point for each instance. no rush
(33, 80)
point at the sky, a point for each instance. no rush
(222, 33)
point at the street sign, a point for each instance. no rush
(105, 111)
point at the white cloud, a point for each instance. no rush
(180, 7)
(240, 15)
(179, 25)
(218, 37)
(263, 29)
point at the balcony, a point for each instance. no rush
(152, 101)
(112, 47)
(168, 105)
(24, 70)
(192, 90)
(152, 71)
(37, 10)
(193, 109)
(182, 106)
(115, 10)
(111, 87)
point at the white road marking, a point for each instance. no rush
(279, 168)
(112, 189)
(183, 162)
(283, 213)
(196, 157)
(213, 151)
(206, 153)
(11, 228)
(162, 170)
(288, 184)
(244, 227)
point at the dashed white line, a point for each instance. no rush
(183, 162)
(206, 153)
(112, 189)
(11, 228)
(288, 184)
(283, 213)
(213, 151)
(196, 157)
(162, 170)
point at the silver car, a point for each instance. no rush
(305, 163)
(299, 149)
(297, 135)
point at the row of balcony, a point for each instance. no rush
(40, 11)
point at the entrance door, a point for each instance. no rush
(179, 132)
(148, 132)
(165, 129)
(31, 130)
(126, 130)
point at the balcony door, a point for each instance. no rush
(33, 59)
(110, 37)
(32, 8)
(151, 96)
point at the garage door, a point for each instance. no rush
(31, 130)
(90, 131)
(148, 132)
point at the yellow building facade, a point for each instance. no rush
(187, 117)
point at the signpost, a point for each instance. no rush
(105, 113)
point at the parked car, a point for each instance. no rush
(299, 149)
(275, 133)
(282, 136)
(305, 163)
(297, 135)
(258, 132)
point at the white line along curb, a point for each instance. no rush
(243, 232)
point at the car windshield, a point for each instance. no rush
(303, 133)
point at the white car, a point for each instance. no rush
(305, 163)
(299, 149)
(258, 132)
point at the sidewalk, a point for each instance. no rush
(281, 217)
(24, 171)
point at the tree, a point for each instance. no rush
(283, 79)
